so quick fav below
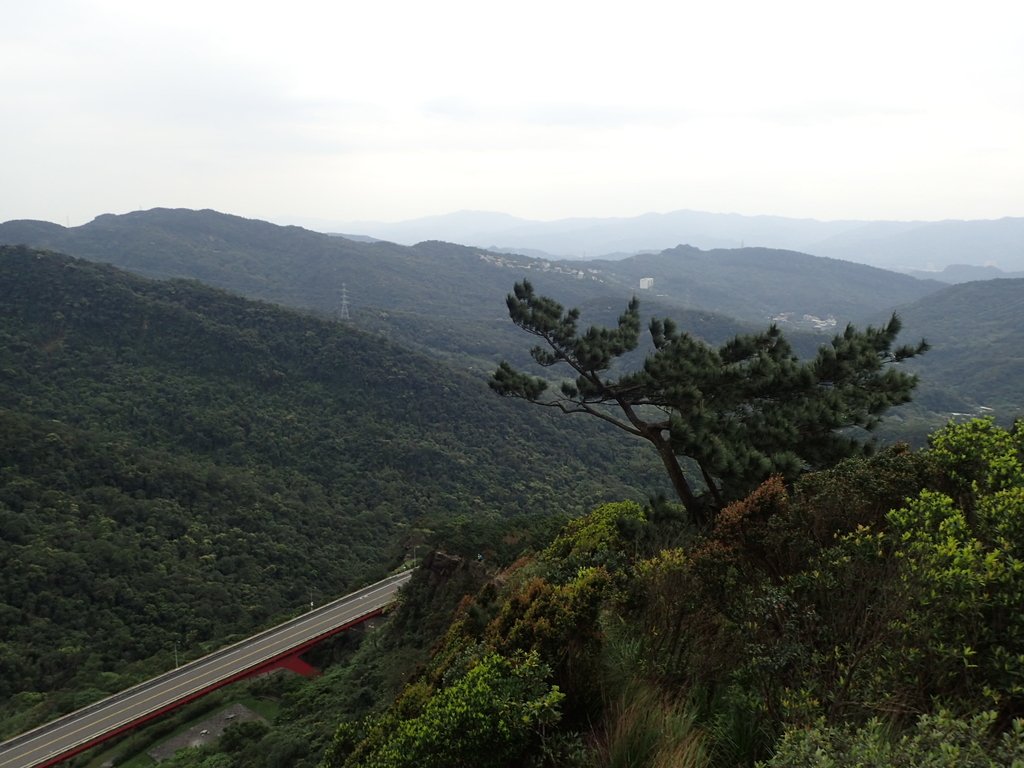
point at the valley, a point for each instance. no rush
(194, 445)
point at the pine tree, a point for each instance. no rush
(730, 417)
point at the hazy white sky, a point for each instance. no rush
(392, 110)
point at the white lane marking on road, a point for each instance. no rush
(269, 645)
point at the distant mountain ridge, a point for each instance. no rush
(964, 273)
(774, 282)
(301, 268)
(448, 300)
(899, 245)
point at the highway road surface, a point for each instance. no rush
(66, 735)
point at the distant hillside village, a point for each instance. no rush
(806, 321)
(543, 265)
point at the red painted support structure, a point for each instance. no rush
(298, 665)
(281, 646)
(288, 660)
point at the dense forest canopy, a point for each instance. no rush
(180, 465)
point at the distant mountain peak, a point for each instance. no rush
(895, 245)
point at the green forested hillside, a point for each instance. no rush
(449, 298)
(287, 265)
(977, 345)
(756, 284)
(180, 465)
(976, 362)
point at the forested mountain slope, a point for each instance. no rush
(450, 298)
(179, 464)
(287, 265)
(757, 284)
(977, 345)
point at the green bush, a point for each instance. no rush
(934, 741)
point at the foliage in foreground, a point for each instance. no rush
(491, 714)
(867, 615)
(934, 741)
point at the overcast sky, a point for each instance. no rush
(341, 111)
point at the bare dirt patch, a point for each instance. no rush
(204, 732)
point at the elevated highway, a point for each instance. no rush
(73, 733)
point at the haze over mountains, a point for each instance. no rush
(898, 245)
(303, 268)
(448, 299)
